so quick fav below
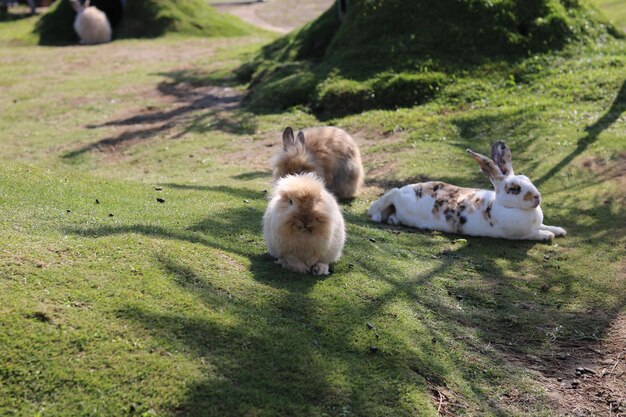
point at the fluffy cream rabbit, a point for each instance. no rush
(91, 24)
(302, 226)
(329, 152)
(512, 211)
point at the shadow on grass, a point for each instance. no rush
(299, 351)
(247, 176)
(198, 107)
(243, 193)
(387, 184)
(612, 114)
(10, 16)
(479, 132)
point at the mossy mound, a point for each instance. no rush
(145, 18)
(397, 53)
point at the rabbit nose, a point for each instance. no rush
(307, 224)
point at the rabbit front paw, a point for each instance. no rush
(320, 269)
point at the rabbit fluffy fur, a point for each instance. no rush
(329, 152)
(512, 211)
(302, 226)
(91, 24)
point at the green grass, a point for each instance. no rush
(389, 54)
(175, 308)
(615, 11)
(146, 19)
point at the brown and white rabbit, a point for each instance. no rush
(302, 226)
(91, 24)
(329, 152)
(511, 211)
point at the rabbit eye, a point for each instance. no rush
(290, 202)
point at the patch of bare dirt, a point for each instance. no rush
(256, 152)
(280, 16)
(585, 378)
(447, 403)
(174, 107)
(613, 168)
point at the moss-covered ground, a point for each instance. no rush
(144, 19)
(388, 54)
(113, 303)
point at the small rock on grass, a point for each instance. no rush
(160, 200)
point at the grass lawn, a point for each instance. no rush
(113, 303)
(615, 11)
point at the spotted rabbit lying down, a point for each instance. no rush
(512, 211)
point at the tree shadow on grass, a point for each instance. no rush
(240, 192)
(301, 350)
(593, 132)
(247, 176)
(198, 108)
(510, 311)
(479, 132)
(261, 362)
(11, 16)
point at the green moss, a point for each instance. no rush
(387, 46)
(338, 96)
(146, 18)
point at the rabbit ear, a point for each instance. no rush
(288, 139)
(86, 3)
(488, 167)
(76, 5)
(501, 155)
(301, 137)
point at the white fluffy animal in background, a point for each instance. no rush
(91, 24)
(510, 212)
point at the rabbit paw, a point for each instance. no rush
(393, 219)
(377, 217)
(320, 269)
(292, 266)
(558, 231)
(542, 235)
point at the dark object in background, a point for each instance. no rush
(114, 9)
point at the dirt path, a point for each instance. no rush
(584, 378)
(278, 15)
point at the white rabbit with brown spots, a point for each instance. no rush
(303, 226)
(329, 152)
(512, 211)
(91, 24)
